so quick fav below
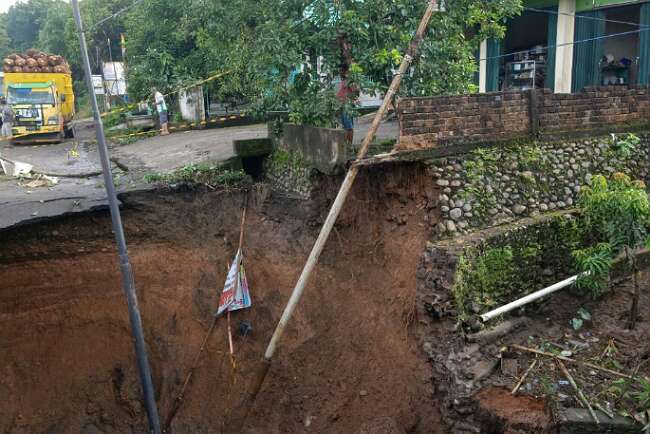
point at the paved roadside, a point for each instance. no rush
(166, 153)
(388, 130)
(19, 204)
(80, 185)
(76, 164)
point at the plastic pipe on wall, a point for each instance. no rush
(530, 298)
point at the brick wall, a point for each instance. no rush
(436, 121)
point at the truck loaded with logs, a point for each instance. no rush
(38, 87)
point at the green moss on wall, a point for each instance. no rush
(288, 171)
(515, 263)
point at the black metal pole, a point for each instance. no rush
(125, 265)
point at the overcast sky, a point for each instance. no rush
(4, 4)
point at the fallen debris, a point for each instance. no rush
(523, 377)
(498, 331)
(15, 168)
(581, 395)
(39, 180)
(567, 359)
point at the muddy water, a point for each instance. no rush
(350, 362)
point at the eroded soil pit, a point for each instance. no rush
(350, 362)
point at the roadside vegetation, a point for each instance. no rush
(205, 174)
(611, 224)
(287, 61)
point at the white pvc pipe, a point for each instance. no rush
(529, 298)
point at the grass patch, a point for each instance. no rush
(199, 174)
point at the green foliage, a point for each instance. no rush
(625, 145)
(491, 273)
(617, 211)
(532, 158)
(51, 35)
(578, 321)
(482, 163)
(197, 174)
(113, 119)
(24, 21)
(282, 159)
(642, 396)
(5, 41)
(486, 278)
(596, 261)
(311, 103)
(263, 43)
(616, 214)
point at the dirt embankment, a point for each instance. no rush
(350, 361)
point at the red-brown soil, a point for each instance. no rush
(513, 412)
(349, 364)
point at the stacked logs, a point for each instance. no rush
(35, 61)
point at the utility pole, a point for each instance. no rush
(125, 264)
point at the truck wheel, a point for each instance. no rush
(68, 133)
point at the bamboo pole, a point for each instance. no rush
(334, 212)
(567, 359)
(581, 395)
(181, 396)
(523, 377)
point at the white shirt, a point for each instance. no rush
(160, 102)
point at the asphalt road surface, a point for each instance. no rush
(75, 163)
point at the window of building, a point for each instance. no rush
(527, 37)
(619, 64)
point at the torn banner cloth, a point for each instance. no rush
(235, 295)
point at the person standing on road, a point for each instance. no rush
(8, 118)
(161, 108)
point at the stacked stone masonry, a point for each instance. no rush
(435, 121)
(495, 185)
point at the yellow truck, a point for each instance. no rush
(43, 103)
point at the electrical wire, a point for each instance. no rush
(582, 41)
(584, 17)
(110, 17)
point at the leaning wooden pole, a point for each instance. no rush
(341, 197)
(176, 405)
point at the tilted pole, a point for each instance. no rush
(181, 396)
(334, 213)
(125, 264)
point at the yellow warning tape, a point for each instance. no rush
(179, 127)
(180, 89)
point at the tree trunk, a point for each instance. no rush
(634, 310)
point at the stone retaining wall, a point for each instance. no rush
(490, 186)
(287, 172)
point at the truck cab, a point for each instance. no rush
(42, 107)
(37, 108)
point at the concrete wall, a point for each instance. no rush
(436, 121)
(190, 102)
(324, 149)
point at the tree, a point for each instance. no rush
(616, 214)
(5, 42)
(51, 35)
(24, 21)
(264, 43)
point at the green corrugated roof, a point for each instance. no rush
(30, 85)
(585, 5)
(540, 3)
